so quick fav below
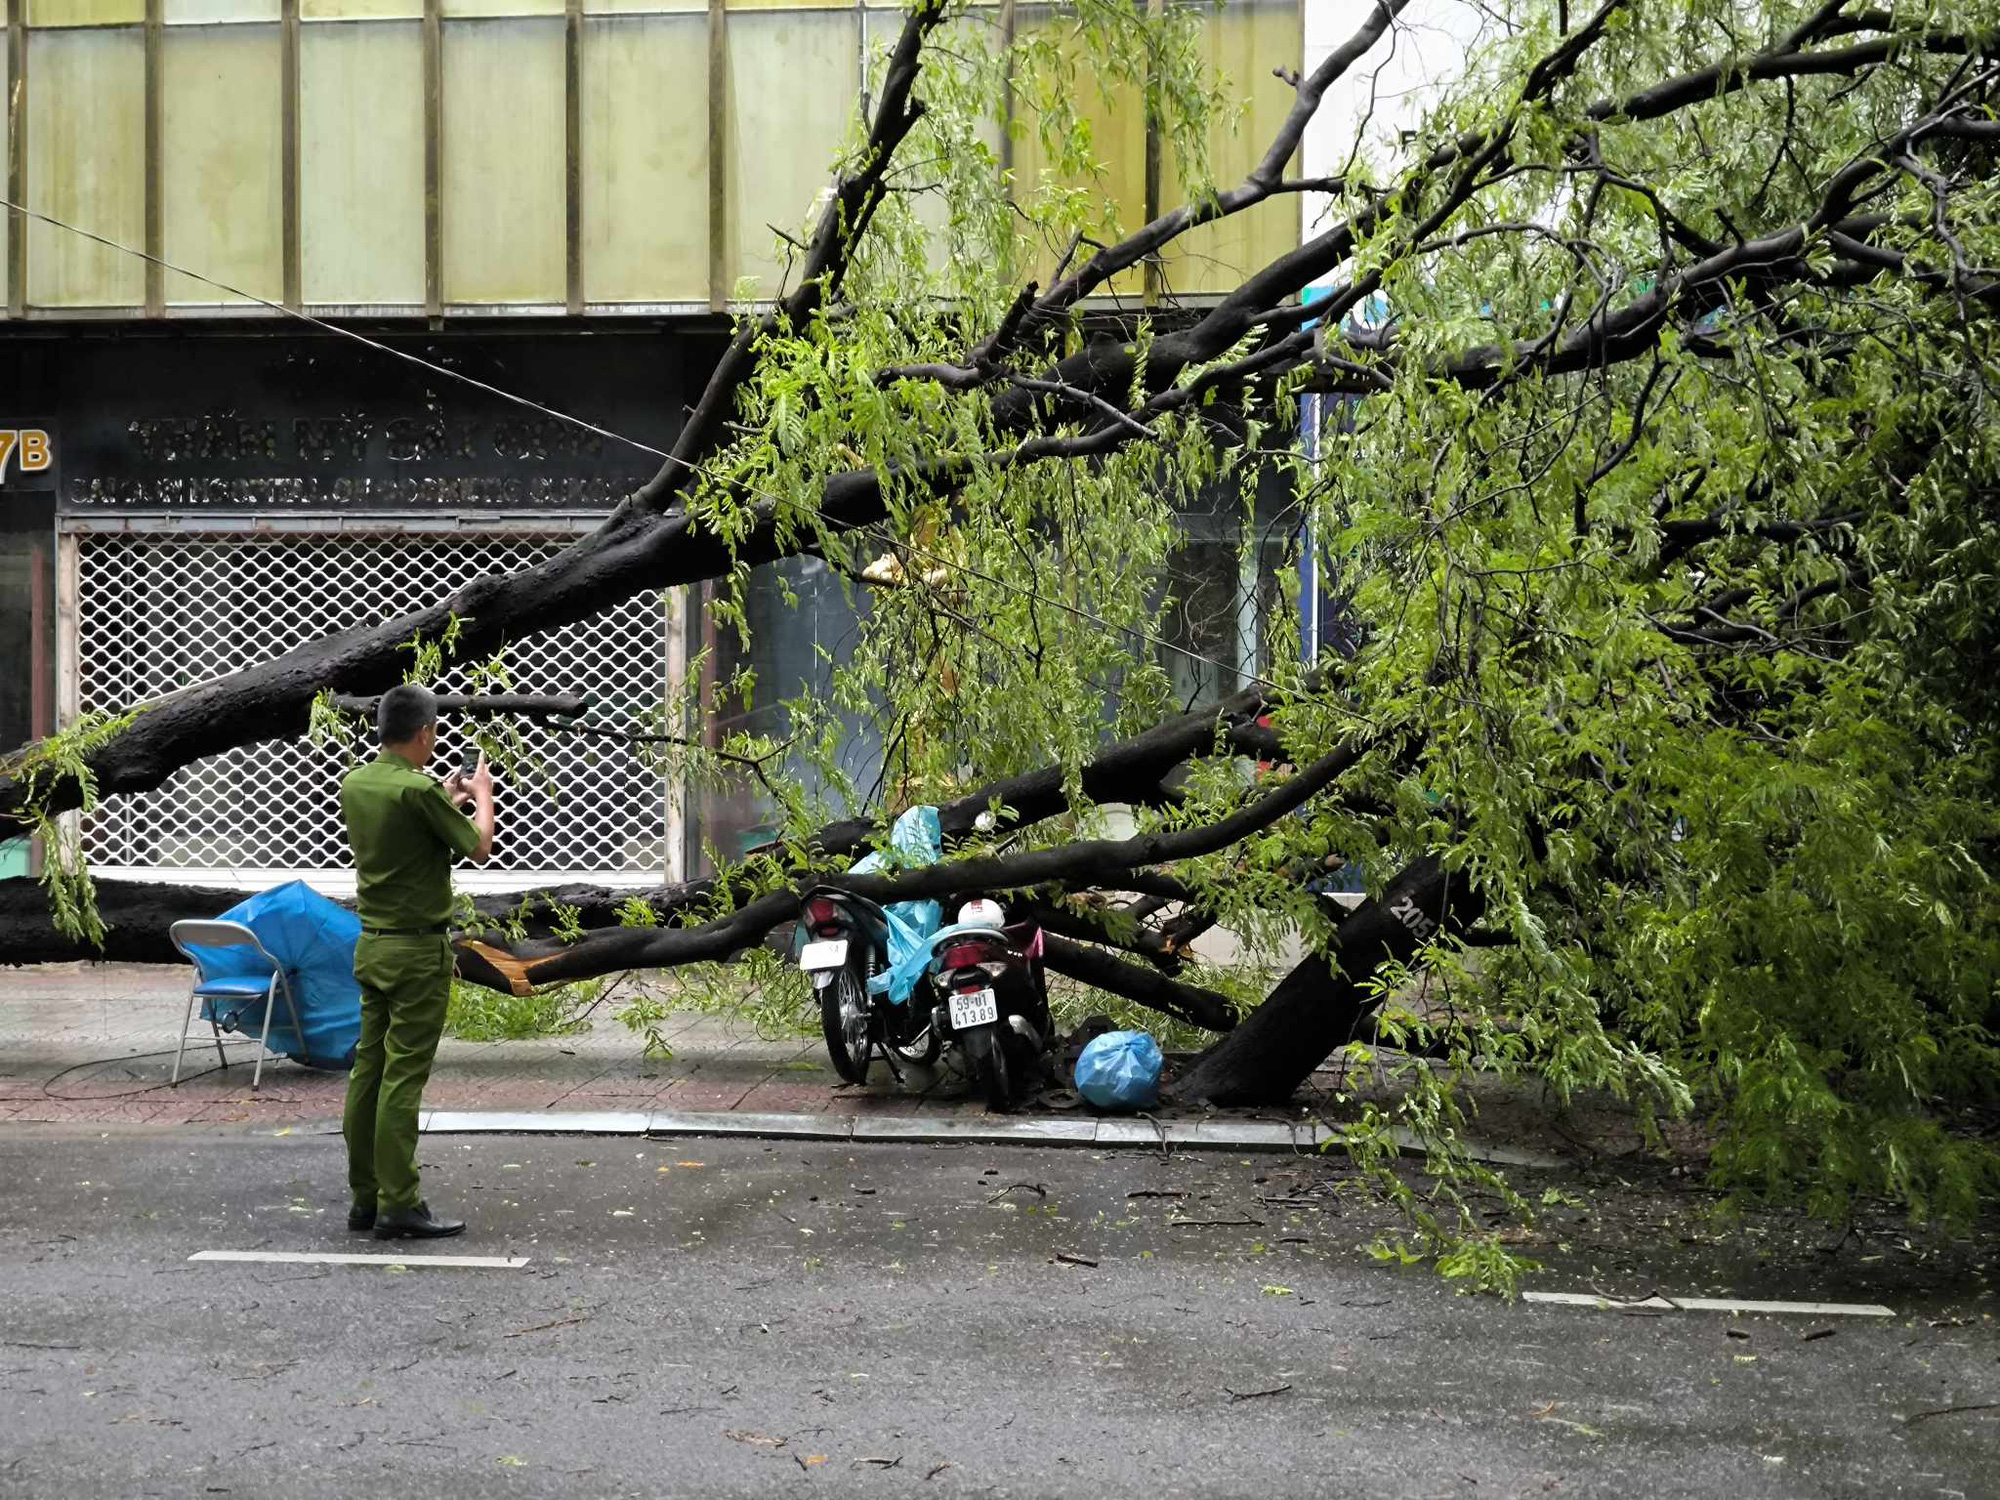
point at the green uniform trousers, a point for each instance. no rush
(405, 987)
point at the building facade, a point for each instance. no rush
(564, 200)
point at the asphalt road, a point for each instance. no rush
(742, 1318)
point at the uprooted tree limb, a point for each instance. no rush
(1662, 505)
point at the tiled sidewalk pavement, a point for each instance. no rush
(95, 1043)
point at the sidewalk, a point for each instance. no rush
(95, 1045)
(85, 1043)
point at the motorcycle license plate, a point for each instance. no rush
(974, 1008)
(830, 954)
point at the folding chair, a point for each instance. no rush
(245, 988)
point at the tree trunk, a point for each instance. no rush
(1318, 1006)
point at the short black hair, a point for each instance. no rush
(404, 711)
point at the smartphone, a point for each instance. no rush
(468, 760)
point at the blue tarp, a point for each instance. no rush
(313, 941)
(914, 841)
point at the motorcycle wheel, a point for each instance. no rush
(922, 1049)
(843, 1021)
(1024, 1063)
(988, 1056)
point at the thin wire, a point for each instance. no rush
(887, 537)
(49, 1083)
(346, 333)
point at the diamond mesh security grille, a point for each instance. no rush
(155, 614)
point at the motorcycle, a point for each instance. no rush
(842, 942)
(994, 999)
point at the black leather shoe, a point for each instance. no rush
(415, 1224)
(360, 1220)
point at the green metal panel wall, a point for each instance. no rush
(354, 156)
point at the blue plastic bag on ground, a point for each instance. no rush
(915, 840)
(1120, 1070)
(313, 941)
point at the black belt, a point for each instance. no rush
(438, 931)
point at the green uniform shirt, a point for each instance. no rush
(405, 833)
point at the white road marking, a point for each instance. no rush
(1714, 1304)
(303, 1258)
(534, 1122)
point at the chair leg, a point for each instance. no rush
(292, 1006)
(264, 1036)
(187, 1020)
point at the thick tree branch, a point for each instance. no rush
(1093, 966)
(1633, 329)
(480, 705)
(137, 914)
(1096, 862)
(1730, 75)
(1125, 771)
(1087, 927)
(630, 553)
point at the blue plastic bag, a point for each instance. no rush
(313, 941)
(1120, 1070)
(915, 840)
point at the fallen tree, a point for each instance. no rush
(1660, 505)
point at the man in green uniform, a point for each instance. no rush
(405, 830)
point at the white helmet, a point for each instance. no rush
(981, 913)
